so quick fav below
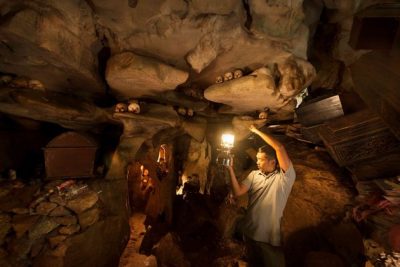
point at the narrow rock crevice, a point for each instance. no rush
(249, 19)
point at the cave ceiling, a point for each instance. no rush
(70, 62)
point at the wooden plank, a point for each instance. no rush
(352, 126)
(376, 78)
(318, 111)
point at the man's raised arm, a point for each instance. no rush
(238, 189)
(281, 154)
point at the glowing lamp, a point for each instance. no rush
(224, 157)
(227, 141)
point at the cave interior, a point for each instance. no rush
(101, 166)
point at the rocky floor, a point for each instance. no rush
(131, 257)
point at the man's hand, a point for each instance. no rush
(230, 165)
(237, 188)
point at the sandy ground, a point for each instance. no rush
(131, 257)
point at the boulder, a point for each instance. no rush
(169, 252)
(22, 223)
(259, 91)
(83, 202)
(65, 220)
(70, 229)
(132, 75)
(60, 211)
(44, 226)
(89, 217)
(45, 207)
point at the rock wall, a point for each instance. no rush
(322, 196)
(62, 223)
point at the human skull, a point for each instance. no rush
(121, 107)
(190, 112)
(237, 73)
(228, 76)
(263, 115)
(133, 106)
(219, 79)
(35, 84)
(182, 111)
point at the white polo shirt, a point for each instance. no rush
(268, 194)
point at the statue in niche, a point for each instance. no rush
(162, 170)
(162, 166)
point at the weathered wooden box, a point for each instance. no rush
(70, 155)
(376, 27)
(319, 110)
(357, 137)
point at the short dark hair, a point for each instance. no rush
(269, 151)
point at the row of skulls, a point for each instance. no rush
(185, 111)
(21, 82)
(229, 76)
(132, 106)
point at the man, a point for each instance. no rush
(268, 189)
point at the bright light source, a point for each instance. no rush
(227, 140)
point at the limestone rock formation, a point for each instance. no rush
(196, 167)
(136, 76)
(319, 195)
(276, 18)
(259, 91)
(52, 43)
(69, 112)
(150, 49)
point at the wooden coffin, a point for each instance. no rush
(357, 137)
(70, 155)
